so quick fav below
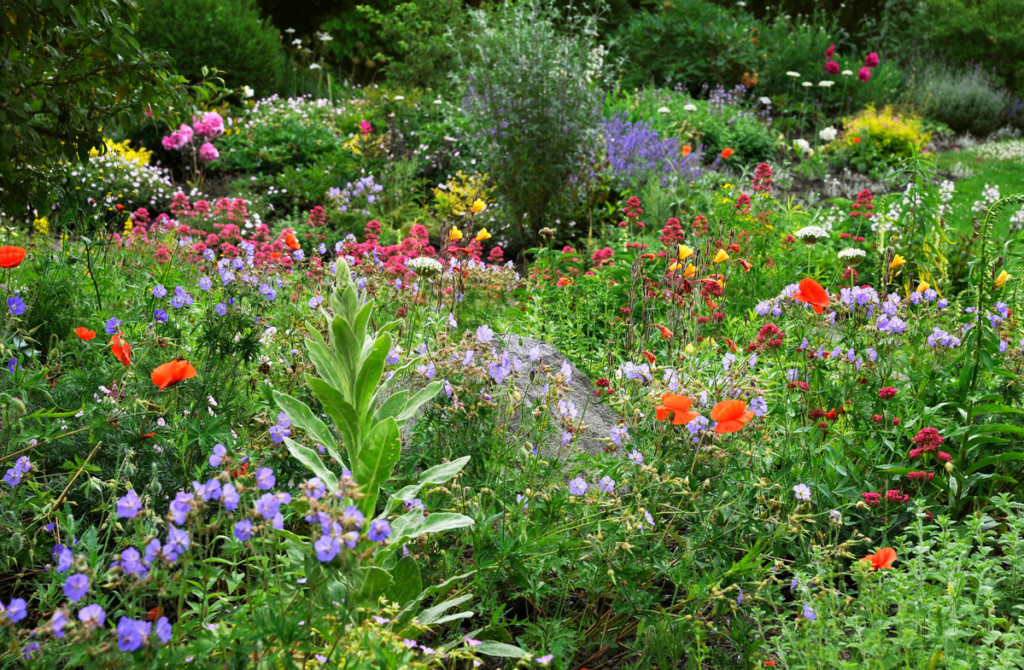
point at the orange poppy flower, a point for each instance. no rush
(726, 152)
(665, 332)
(171, 373)
(121, 349)
(11, 257)
(685, 151)
(731, 416)
(679, 406)
(292, 241)
(882, 560)
(85, 333)
(813, 294)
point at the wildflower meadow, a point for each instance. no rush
(447, 335)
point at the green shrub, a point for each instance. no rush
(688, 41)
(226, 34)
(965, 99)
(532, 103)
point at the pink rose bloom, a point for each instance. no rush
(864, 74)
(211, 126)
(172, 142)
(828, 52)
(871, 60)
(832, 67)
(208, 153)
(365, 127)
(186, 134)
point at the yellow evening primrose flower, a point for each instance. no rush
(897, 261)
(684, 252)
(483, 234)
(690, 271)
(1002, 278)
(923, 286)
(454, 235)
(689, 349)
(721, 256)
(478, 206)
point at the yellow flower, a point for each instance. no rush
(1003, 276)
(690, 271)
(897, 261)
(675, 266)
(721, 256)
(454, 235)
(689, 349)
(478, 206)
(922, 287)
(684, 252)
(42, 225)
(483, 234)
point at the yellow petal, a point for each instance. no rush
(922, 287)
(684, 252)
(689, 349)
(675, 266)
(483, 234)
(454, 235)
(478, 206)
(1002, 278)
(690, 271)
(897, 261)
(721, 256)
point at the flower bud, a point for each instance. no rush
(949, 466)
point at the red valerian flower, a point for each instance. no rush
(882, 560)
(678, 406)
(813, 294)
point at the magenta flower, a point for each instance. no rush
(871, 60)
(864, 74)
(208, 153)
(832, 67)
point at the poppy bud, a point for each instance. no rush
(949, 466)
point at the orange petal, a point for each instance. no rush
(732, 426)
(728, 410)
(677, 403)
(683, 418)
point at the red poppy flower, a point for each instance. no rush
(121, 349)
(726, 152)
(11, 257)
(679, 406)
(813, 294)
(882, 560)
(292, 241)
(85, 333)
(154, 614)
(171, 373)
(731, 416)
(241, 471)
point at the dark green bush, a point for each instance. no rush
(687, 41)
(989, 32)
(226, 34)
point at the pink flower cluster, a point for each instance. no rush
(208, 128)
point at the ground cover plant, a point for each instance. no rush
(544, 367)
